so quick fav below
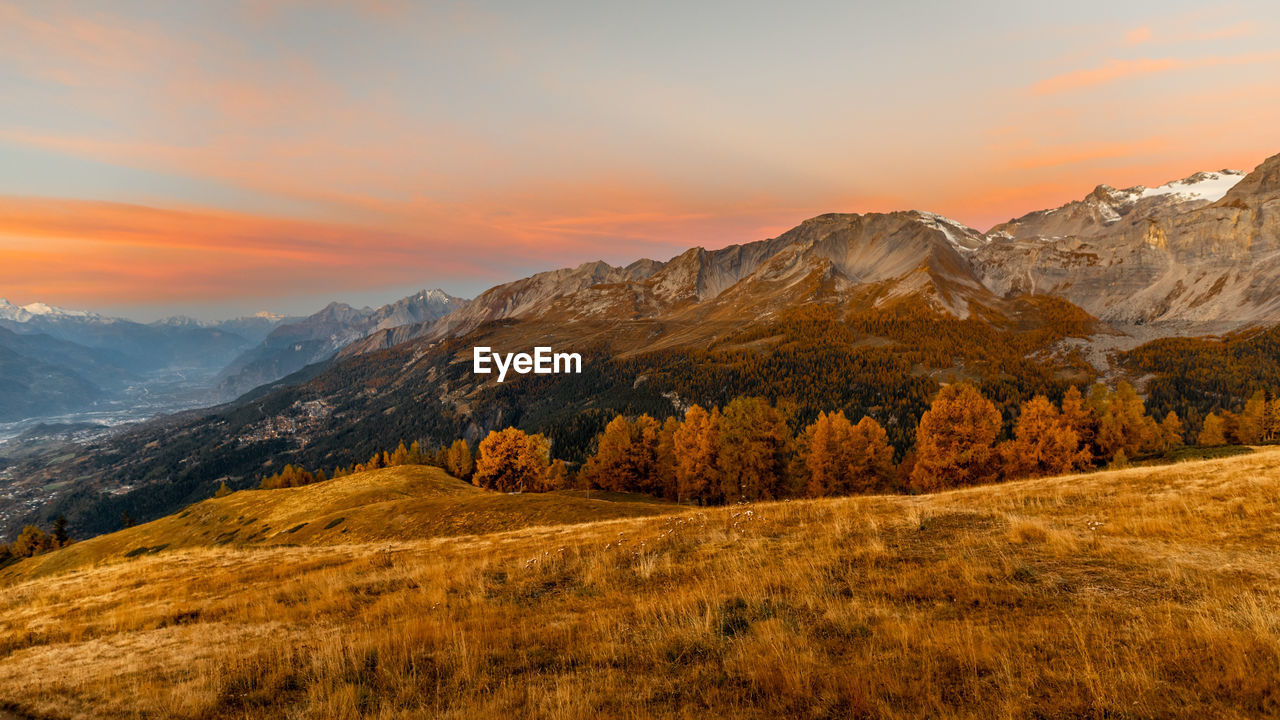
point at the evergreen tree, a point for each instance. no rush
(59, 535)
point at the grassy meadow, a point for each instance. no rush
(1140, 593)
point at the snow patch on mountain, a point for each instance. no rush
(1209, 186)
(25, 313)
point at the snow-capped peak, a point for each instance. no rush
(1209, 186)
(24, 313)
(958, 235)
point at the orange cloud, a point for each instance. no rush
(75, 251)
(1137, 36)
(90, 253)
(1113, 70)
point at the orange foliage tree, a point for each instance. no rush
(512, 460)
(955, 442)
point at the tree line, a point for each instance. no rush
(751, 449)
(34, 541)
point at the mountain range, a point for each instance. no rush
(296, 344)
(1196, 252)
(862, 312)
(61, 361)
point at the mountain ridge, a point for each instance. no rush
(1035, 253)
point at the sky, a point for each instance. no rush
(219, 158)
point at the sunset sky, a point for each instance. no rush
(218, 158)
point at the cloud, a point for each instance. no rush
(90, 253)
(84, 251)
(1114, 70)
(1137, 36)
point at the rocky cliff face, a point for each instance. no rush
(1198, 251)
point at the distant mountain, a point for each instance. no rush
(296, 344)
(30, 387)
(104, 369)
(164, 346)
(253, 328)
(75, 360)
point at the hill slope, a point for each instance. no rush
(410, 502)
(1139, 593)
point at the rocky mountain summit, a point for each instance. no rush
(1201, 253)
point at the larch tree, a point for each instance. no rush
(458, 461)
(1171, 429)
(1213, 432)
(1044, 442)
(955, 441)
(665, 483)
(556, 477)
(1273, 420)
(1124, 425)
(626, 456)
(1250, 424)
(512, 460)
(870, 458)
(696, 442)
(824, 454)
(1080, 416)
(399, 457)
(752, 447)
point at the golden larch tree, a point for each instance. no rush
(1213, 431)
(512, 460)
(753, 442)
(696, 442)
(1044, 442)
(458, 461)
(955, 442)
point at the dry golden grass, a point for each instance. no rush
(398, 503)
(1143, 593)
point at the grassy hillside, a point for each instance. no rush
(399, 503)
(1143, 593)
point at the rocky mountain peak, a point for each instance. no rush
(1259, 186)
